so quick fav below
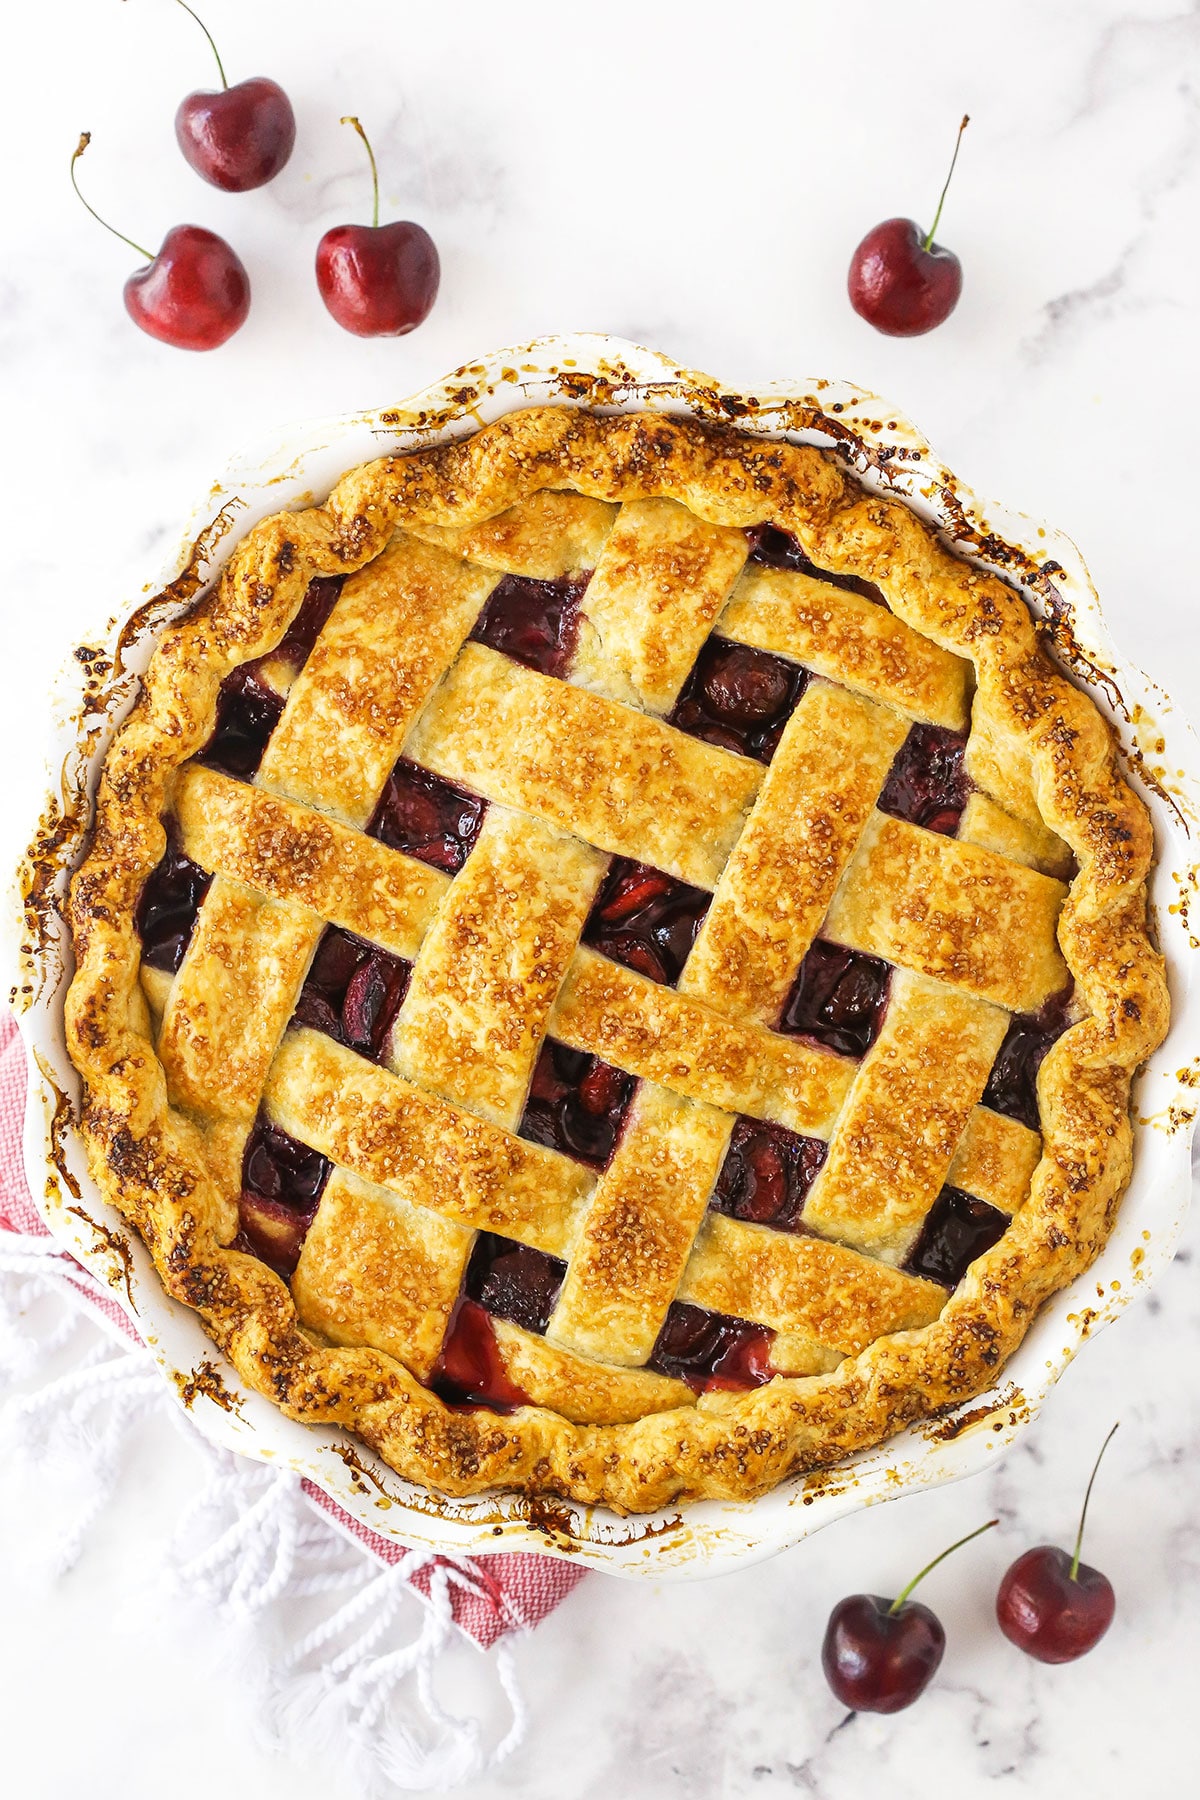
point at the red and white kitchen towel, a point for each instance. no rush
(330, 1605)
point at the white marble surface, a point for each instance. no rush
(693, 177)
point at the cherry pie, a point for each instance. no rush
(611, 964)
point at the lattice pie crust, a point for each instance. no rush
(670, 1279)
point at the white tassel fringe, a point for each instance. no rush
(354, 1684)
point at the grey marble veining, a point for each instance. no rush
(696, 178)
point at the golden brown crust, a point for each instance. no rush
(617, 778)
(1038, 747)
(954, 910)
(815, 800)
(908, 1108)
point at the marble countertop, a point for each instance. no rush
(694, 178)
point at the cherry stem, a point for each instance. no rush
(208, 34)
(351, 120)
(1087, 1496)
(937, 215)
(898, 1602)
(84, 140)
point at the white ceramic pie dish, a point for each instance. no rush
(297, 467)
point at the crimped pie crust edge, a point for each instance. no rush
(1055, 755)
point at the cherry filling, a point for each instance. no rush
(711, 1350)
(577, 1104)
(469, 1371)
(927, 783)
(739, 698)
(512, 1281)
(534, 622)
(646, 920)
(427, 817)
(839, 998)
(766, 1174)
(247, 713)
(282, 1183)
(352, 992)
(780, 550)
(248, 707)
(296, 644)
(166, 911)
(1012, 1084)
(957, 1229)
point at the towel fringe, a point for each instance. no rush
(357, 1685)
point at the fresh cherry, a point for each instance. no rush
(900, 280)
(879, 1655)
(237, 137)
(1053, 1605)
(194, 294)
(378, 280)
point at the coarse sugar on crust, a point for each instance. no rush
(1042, 752)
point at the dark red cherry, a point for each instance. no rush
(236, 137)
(877, 1658)
(1054, 1614)
(879, 1655)
(194, 294)
(901, 281)
(746, 687)
(378, 280)
(1051, 1604)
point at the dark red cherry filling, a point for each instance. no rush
(282, 1183)
(1012, 1084)
(248, 707)
(296, 644)
(577, 1104)
(353, 992)
(427, 817)
(166, 911)
(766, 1174)
(247, 713)
(646, 920)
(839, 998)
(927, 783)
(780, 550)
(711, 1350)
(512, 1281)
(739, 698)
(534, 622)
(469, 1371)
(957, 1229)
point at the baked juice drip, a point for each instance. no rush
(646, 919)
(957, 1229)
(766, 1174)
(1012, 1084)
(166, 912)
(534, 622)
(838, 999)
(712, 1350)
(282, 1183)
(352, 992)
(250, 702)
(739, 698)
(776, 549)
(428, 818)
(928, 783)
(577, 1104)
